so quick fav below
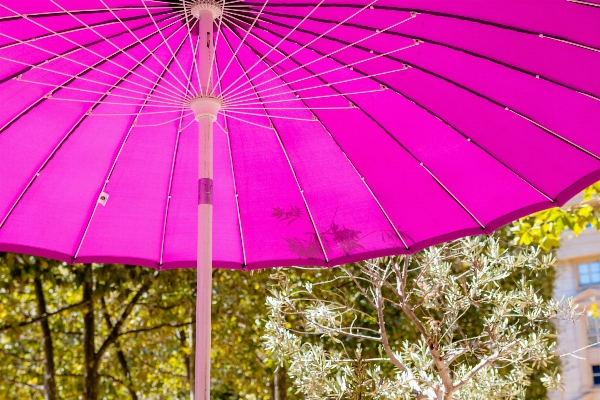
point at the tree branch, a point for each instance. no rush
(153, 328)
(114, 333)
(41, 317)
(120, 355)
(384, 338)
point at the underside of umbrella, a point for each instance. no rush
(343, 129)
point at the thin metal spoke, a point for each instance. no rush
(314, 225)
(146, 113)
(58, 146)
(71, 30)
(166, 42)
(246, 121)
(56, 55)
(445, 122)
(234, 108)
(80, 11)
(349, 45)
(482, 96)
(89, 91)
(175, 152)
(213, 61)
(440, 14)
(227, 112)
(114, 163)
(242, 41)
(277, 45)
(164, 122)
(395, 140)
(235, 190)
(270, 68)
(18, 74)
(63, 85)
(184, 92)
(118, 47)
(192, 47)
(310, 97)
(240, 100)
(76, 44)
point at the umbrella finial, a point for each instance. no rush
(206, 5)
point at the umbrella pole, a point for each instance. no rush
(205, 108)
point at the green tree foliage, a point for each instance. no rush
(139, 323)
(544, 228)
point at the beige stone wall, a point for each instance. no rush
(577, 373)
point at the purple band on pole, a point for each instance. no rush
(205, 187)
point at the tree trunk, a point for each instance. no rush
(192, 358)
(90, 373)
(120, 354)
(280, 384)
(49, 369)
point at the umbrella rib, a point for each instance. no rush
(125, 53)
(441, 119)
(267, 116)
(90, 11)
(56, 148)
(74, 50)
(308, 45)
(165, 41)
(426, 109)
(57, 55)
(449, 46)
(342, 67)
(585, 3)
(164, 122)
(71, 78)
(237, 200)
(83, 48)
(242, 40)
(400, 144)
(426, 71)
(277, 45)
(270, 68)
(70, 30)
(289, 163)
(145, 47)
(191, 41)
(245, 120)
(90, 91)
(214, 53)
(362, 178)
(441, 14)
(237, 102)
(175, 152)
(114, 162)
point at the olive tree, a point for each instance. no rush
(339, 346)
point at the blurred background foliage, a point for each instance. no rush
(106, 331)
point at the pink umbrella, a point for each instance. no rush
(344, 129)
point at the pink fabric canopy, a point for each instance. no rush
(350, 129)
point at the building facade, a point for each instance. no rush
(578, 269)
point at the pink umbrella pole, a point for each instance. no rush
(205, 108)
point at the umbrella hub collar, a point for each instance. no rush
(206, 5)
(206, 106)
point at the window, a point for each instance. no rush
(589, 273)
(596, 374)
(593, 332)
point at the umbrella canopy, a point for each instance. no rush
(348, 129)
(343, 129)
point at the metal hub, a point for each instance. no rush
(206, 106)
(207, 5)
